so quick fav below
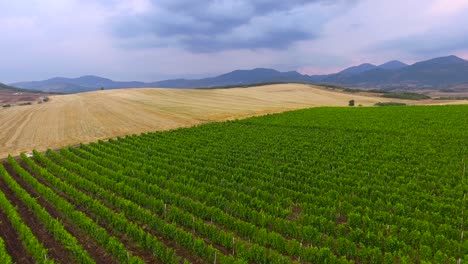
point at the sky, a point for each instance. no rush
(151, 40)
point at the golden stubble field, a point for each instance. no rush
(71, 119)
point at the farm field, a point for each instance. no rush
(11, 97)
(86, 117)
(320, 185)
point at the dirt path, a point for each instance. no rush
(13, 243)
(86, 117)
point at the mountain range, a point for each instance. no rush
(438, 73)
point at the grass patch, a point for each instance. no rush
(247, 85)
(406, 95)
(452, 98)
(390, 104)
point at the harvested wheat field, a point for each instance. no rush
(85, 117)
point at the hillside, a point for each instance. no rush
(324, 185)
(238, 77)
(393, 65)
(77, 85)
(85, 117)
(13, 95)
(4, 87)
(357, 69)
(438, 73)
(94, 83)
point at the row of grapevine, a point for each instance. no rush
(129, 208)
(258, 233)
(383, 199)
(4, 256)
(188, 220)
(52, 224)
(349, 251)
(114, 246)
(326, 185)
(117, 221)
(30, 242)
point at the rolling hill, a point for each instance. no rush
(76, 85)
(4, 87)
(439, 73)
(324, 185)
(237, 77)
(12, 95)
(93, 83)
(85, 117)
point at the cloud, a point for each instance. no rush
(447, 7)
(439, 39)
(151, 40)
(49, 38)
(216, 25)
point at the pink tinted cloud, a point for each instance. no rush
(463, 54)
(447, 7)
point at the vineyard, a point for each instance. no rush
(323, 185)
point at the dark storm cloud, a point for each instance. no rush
(227, 24)
(151, 40)
(276, 40)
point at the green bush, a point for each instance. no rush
(390, 104)
(406, 95)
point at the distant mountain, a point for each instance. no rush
(357, 69)
(355, 72)
(444, 72)
(6, 87)
(76, 85)
(393, 65)
(9, 88)
(12, 95)
(92, 83)
(436, 73)
(238, 77)
(448, 60)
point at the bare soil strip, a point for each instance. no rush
(56, 250)
(12, 242)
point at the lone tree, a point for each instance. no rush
(351, 102)
(102, 88)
